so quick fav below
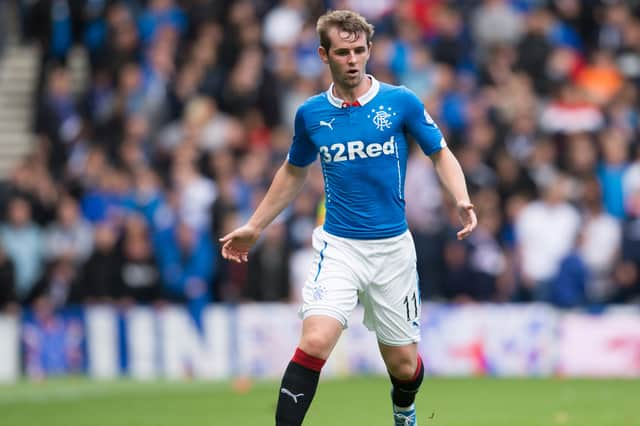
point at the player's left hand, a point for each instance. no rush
(468, 218)
(236, 244)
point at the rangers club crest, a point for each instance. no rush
(382, 117)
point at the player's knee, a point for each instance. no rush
(316, 344)
(403, 368)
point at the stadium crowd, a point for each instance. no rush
(188, 110)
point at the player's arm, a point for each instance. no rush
(452, 177)
(286, 184)
(428, 136)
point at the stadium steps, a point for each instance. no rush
(18, 80)
(18, 75)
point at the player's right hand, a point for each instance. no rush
(468, 218)
(236, 244)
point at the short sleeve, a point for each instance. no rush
(302, 151)
(421, 126)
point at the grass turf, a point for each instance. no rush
(353, 401)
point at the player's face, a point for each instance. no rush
(347, 57)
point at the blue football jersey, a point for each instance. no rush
(363, 150)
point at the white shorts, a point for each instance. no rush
(381, 273)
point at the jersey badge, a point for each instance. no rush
(381, 117)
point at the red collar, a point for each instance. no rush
(347, 104)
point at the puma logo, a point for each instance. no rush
(288, 392)
(329, 123)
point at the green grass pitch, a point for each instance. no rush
(353, 401)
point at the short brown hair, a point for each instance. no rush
(345, 20)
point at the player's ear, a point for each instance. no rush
(324, 55)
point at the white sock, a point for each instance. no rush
(404, 408)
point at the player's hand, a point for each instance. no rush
(467, 217)
(237, 243)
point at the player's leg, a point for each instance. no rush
(320, 334)
(406, 372)
(392, 310)
(329, 296)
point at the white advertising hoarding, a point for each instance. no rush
(9, 349)
(600, 345)
(500, 340)
(258, 340)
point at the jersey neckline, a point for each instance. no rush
(362, 100)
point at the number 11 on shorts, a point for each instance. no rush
(411, 306)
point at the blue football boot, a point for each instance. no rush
(405, 417)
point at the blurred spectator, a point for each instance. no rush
(458, 283)
(581, 156)
(58, 118)
(612, 169)
(568, 288)
(302, 220)
(546, 230)
(23, 243)
(99, 275)
(283, 23)
(534, 49)
(268, 272)
(251, 85)
(137, 270)
(249, 182)
(449, 44)
(627, 271)
(51, 22)
(231, 278)
(161, 15)
(628, 54)
(133, 97)
(486, 259)
(567, 112)
(452, 104)
(158, 71)
(106, 199)
(614, 19)
(203, 125)
(479, 174)
(58, 286)
(574, 24)
(600, 80)
(120, 44)
(30, 180)
(135, 150)
(600, 242)
(495, 22)
(621, 111)
(542, 164)
(512, 179)
(187, 266)
(146, 196)
(372, 10)
(520, 137)
(197, 193)
(70, 237)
